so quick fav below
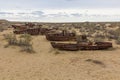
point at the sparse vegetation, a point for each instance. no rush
(1, 29)
(118, 40)
(24, 41)
(56, 52)
(11, 39)
(98, 39)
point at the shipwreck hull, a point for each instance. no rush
(19, 31)
(104, 44)
(44, 31)
(76, 47)
(61, 37)
(63, 46)
(93, 47)
(34, 31)
(19, 27)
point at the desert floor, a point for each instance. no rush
(45, 64)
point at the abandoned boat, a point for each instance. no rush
(63, 36)
(82, 46)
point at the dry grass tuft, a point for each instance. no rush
(57, 52)
(118, 41)
(24, 41)
(11, 39)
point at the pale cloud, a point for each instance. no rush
(4, 13)
(63, 15)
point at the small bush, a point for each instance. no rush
(24, 41)
(28, 49)
(2, 28)
(26, 37)
(56, 52)
(11, 39)
(98, 40)
(118, 40)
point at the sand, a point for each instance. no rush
(67, 65)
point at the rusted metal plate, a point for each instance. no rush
(87, 46)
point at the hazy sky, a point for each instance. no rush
(60, 10)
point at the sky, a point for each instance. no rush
(60, 10)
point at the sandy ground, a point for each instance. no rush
(46, 65)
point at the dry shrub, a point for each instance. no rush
(28, 49)
(113, 35)
(1, 29)
(98, 39)
(56, 52)
(117, 35)
(11, 39)
(24, 41)
(118, 40)
(100, 36)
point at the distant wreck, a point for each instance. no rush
(30, 28)
(62, 36)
